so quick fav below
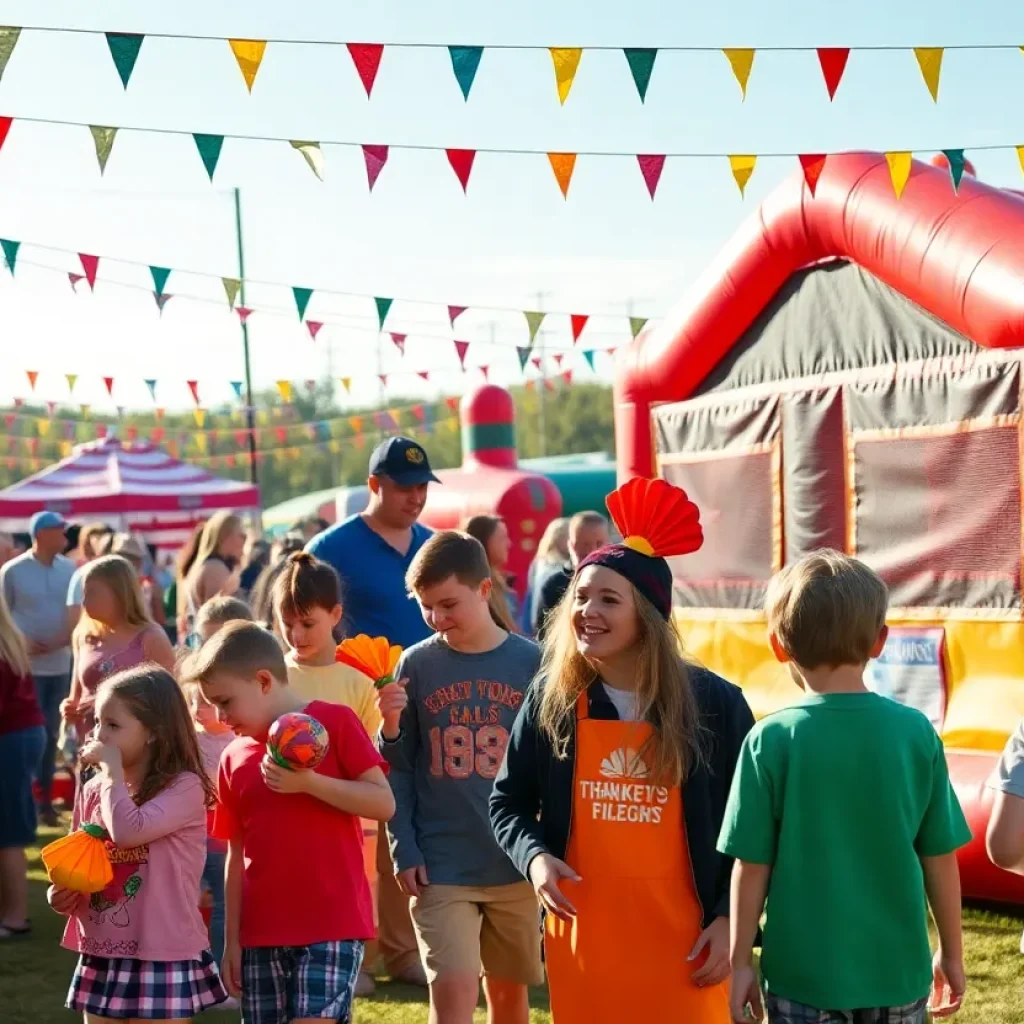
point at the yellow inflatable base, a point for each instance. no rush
(984, 672)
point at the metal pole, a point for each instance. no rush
(250, 418)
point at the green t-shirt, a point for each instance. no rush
(842, 795)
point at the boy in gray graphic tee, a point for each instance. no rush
(444, 736)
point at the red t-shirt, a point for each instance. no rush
(19, 708)
(302, 879)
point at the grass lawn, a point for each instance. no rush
(34, 973)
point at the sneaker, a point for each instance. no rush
(365, 985)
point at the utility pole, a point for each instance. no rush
(541, 417)
(250, 420)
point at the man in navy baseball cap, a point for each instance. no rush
(402, 461)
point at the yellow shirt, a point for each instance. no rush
(338, 684)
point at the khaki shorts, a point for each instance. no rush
(492, 930)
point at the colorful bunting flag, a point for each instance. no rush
(383, 305)
(231, 286)
(465, 62)
(209, 147)
(742, 168)
(578, 322)
(346, 383)
(567, 377)
(524, 356)
(462, 164)
(124, 48)
(558, 357)
(425, 374)
(8, 40)
(899, 171)
(313, 326)
(302, 297)
(741, 61)
(538, 363)
(485, 370)
(929, 59)
(454, 312)
(160, 275)
(383, 378)
(1020, 157)
(812, 164)
(366, 58)
(200, 417)
(641, 64)
(312, 154)
(33, 376)
(236, 386)
(399, 341)
(833, 63)
(151, 384)
(103, 140)
(161, 300)
(636, 324)
(563, 164)
(5, 127)
(375, 157)
(651, 167)
(956, 166)
(249, 54)
(71, 378)
(566, 60)
(90, 264)
(243, 314)
(285, 389)
(10, 250)
(533, 320)
(461, 348)
(193, 386)
(74, 279)
(588, 354)
(109, 384)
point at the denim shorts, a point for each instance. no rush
(20, 752)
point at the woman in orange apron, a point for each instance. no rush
(615, 781)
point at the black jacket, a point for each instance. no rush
(551, 590)
(532, 782)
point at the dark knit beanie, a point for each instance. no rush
(651, 576)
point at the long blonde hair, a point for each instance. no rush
(219, 524)
(664, 696)
(120, 576)
(13, 648)
(554, 542)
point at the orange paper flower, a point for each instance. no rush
(79, 861)
(373, 656)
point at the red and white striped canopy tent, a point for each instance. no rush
(131, 485)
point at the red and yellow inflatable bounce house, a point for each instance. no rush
(848, 374)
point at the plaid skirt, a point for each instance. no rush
(123, 988)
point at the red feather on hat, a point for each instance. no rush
(655, 518)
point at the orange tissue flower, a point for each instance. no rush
(373, 656)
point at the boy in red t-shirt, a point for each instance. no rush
(293, 956)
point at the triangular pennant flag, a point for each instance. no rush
(71, 378)
(454, 312)
(108, 382)
(567, 377)
(200, 418)
(533, 320)
(161, 300)
(813, 164)
(249, 54)
(956, 166)
(90, 264)
(741, 61)
(742, 168)
(651, 167)
(833, 63)
(151, 384)
(399, 340)
(231, 286)
(1020, 157)
(558, 357)
(285, 389)
(462, 164)
(10, 252)
(899, 170)
(302, 297)
(578, 322)
(33, 376)
(243, 313)
(74, 279)
(8, 40)
(193, 386)
(929, 59)
(312, 154)
(366, 57)
(5, 127)
(236, 386)
(313, 326)
(588, 354)
(425, 374)
(563, 164)
(160, 275)
(375, 157)
(641, 64)
(103, 140)
(636, 324)
(566, 60)
(124, 48)
(346, 383)
(485, 370)
(524, 355)
(452, 403)
(209, 147)
(461, 348)
(383, 378)
(537, 362)
(465, 62)
(383, 305)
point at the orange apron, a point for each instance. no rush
(638, 916)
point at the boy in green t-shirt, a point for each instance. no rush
(842, 815)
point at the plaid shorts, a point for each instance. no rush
(285, 983)
(149, 989)
(785, 1011)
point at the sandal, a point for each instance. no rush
(8, 931)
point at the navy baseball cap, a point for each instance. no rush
(401, 459)
(46, 521)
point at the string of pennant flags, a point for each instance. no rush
(366, 58)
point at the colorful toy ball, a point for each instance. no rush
(297, 742)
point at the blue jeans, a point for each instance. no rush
(213, 879)
(50, 691)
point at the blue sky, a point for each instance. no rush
(512, 243)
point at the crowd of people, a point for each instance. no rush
(547, 788)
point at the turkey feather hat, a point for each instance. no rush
(657, 521)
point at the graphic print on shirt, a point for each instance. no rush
(621, 794)
(469, 738)
(112, 904)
